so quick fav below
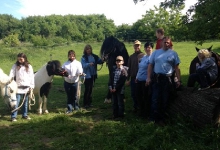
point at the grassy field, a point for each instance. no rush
(92, 128)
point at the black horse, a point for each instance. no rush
(111, 48)
(192, 68)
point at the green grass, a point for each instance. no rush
(91, 129)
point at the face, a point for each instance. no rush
(157, 34)
(166, 44)
(21, 60)
(119, 62)
(88, 51)
(148, 50)
(71, 56)
(137, 47)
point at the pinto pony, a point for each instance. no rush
(111, 48)
(8, 90)
(192, 68)
(43, 80)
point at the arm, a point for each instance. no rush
(177, 70)
(84, 63)
(149, 72)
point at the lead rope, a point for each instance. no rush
(21, 104)
(31, 98)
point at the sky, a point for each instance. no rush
(120, 11)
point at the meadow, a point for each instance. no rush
(92, 128)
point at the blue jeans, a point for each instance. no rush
(71, 89)
(160, 93)
(201, 76)
(133, 93)
(118, 104)
(24, 107)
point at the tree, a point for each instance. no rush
(202, 19)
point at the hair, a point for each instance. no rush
(87, 47)
(151, 44)
(160, 30)
(71, 52)
(26, 62)
(205, 53)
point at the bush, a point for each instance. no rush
(11, 40)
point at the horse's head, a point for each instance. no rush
(108, 48)
(8, 90)
(54, 68)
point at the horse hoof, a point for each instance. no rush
(46, 112)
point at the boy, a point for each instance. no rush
(116, 87)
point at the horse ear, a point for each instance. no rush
(197, 49)
(210, 48)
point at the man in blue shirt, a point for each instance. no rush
(164, 63)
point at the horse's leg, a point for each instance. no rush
(40, 105)
(45, 105)
(108, 96)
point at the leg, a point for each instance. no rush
(45, 105)
(14, 114)
(133, 93)
(154, 101)
(25, 106)
(40, 104)
(69, 98)
(115, 105)
(120, 105)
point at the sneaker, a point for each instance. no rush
(13, 119)
(68, 112)
(26, 117)
(205, 88)
(107, 101)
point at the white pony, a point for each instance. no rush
(8, 89)
(43, 80)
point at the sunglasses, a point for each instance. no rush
(118, 60)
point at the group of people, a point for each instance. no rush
(150, 75)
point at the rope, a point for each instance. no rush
(20, 105)
(31, 98)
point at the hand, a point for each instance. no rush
(127, 83)
(197, 64)
(178, 83)
(91, 64)
(148, 82)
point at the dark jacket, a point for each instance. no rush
(120, 83)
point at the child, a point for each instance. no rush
(116, 87)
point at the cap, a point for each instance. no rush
(119, 58)
(137, 42)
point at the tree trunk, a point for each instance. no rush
(203, 107)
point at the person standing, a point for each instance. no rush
(23, 73)
(143, 91)
(89, 63)
(74, 69)
(164, 63)
(116, 87)
(160, 36)
(132, 71)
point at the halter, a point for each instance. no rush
(7, 96)
(103, 55)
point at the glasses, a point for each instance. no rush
(118, 60)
